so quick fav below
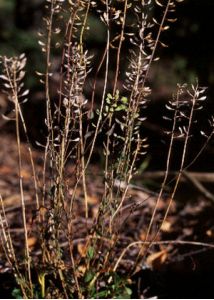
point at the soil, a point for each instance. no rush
(173, 270)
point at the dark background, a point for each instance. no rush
(190, 56)
(190, 38)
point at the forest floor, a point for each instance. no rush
(173, 270)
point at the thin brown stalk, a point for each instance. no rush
(95, 78)
(120, 46)
(182, 159)
(28, 258)
(67, 47)
(167, 168)
(83, 171)
(187, 135)
(157, 40)
(177, 242)
(9, 249)
(84, 26)
(104, 87)
(130, 174)
(48, 100)
(14, 91)
(80, 296)
(31, 157)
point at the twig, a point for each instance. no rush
(179, 242)
(200, 176)
(207, 194)
(17, 207)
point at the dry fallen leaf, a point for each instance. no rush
(6, 170)
(31, 241)
(95, 210)
(12, 200)
(92, 200)
(155, 260)
(210, 233)
(82, 249)
(166, 226)
(26, 174)
(142, 235)
(81, 270)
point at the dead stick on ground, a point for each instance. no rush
(194, 177)
(200, 176)
(199, 186)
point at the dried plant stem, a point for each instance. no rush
(148, 243)
(120, 118)
(104, 87)
(157, 175)
(123, 197)
(187, 135)
(28, 258)
(30, 155)
(61, 158)
(200, 151)
(62, 279)
(48, 64)
(182, 160)
(207, 194)
(9, 249)
(120, 46)
(157, 40)
(167, 168)
(83, 169)
(67, 47)
(14, 90)
(84, 26)
(50, 137)
(80, 296)
(95, 78)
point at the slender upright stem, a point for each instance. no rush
(120, 46)
(28, 258)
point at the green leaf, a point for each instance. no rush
(124, 100)
(120, 107)
(109, 96)
(90, 252)
(17, 294)
(117, 95)
(88, 276)
(128, 291)
(91, 115)
(125, 294)
(102, 294)
(108, 101)
(92, 292)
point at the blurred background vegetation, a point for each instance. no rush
(190, 52)
(189, 55)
